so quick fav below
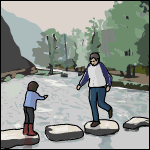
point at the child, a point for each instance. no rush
(29, 107)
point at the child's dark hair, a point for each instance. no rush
(32, 86)
(95, 55)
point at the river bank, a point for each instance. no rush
(140, 82)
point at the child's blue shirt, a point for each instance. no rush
(30, 99)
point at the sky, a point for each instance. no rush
(61, 15)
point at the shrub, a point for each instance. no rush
(139, 69)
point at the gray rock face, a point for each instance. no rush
(106, 127)
(25, 33)
(63, 132)
(15, 137)
(136, 122)
(11, 58)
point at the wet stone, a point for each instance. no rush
(136, 122)
(63, 132)
(15, 137)
(106, 127)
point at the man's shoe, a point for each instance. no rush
(95, 123)
(110, 112)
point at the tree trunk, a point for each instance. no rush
(147, 70)
(129, 52)
(50, 53)
(74, 65)
(121, 74)
(66, 52)
(128, 75)
(76, 69)
(133, 74)
(81, 69)
(66, 68)
(51, 69)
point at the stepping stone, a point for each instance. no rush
(136, 122)
(15, 137)
(106, 127)
(64, 75)
(63, 132)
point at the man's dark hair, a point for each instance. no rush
(95, 55)
(32, 86)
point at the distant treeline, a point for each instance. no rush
(122, 40)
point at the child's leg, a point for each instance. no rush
(30, 112)
(25, 128)
(26, 116)
(31, 121)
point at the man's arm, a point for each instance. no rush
(106, 75)
(84, 78)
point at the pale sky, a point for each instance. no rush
(61, 15)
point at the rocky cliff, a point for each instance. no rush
(25, 33)
(11, 60)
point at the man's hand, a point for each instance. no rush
(45, 96)
(78, 87)
(107, 89)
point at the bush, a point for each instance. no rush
(19, 76)
(64, 75)
(7, 78)
(139, 69)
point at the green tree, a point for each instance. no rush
(53, 38)
(143, 48)
(82, 50)
(94, 36)
(72, 44)
(41, 53)
(52, 31)
(128, 27)
(65, 46)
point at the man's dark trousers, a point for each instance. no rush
(98, 94)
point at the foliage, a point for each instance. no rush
(143, 45)
(42, 52)
(81, 50)
(128, 28)
(139, 69)
(19, 76)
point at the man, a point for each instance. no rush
(99, 83)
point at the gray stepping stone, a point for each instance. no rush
(15, 137)
(136, 122)
(63, 132)
(106, 127)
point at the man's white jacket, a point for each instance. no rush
(98, 76)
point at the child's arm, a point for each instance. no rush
(39, 97)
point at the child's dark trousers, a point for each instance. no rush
(29, 115)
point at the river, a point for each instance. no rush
(67, 105)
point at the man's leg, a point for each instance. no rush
(93, 103)
(101, 99)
